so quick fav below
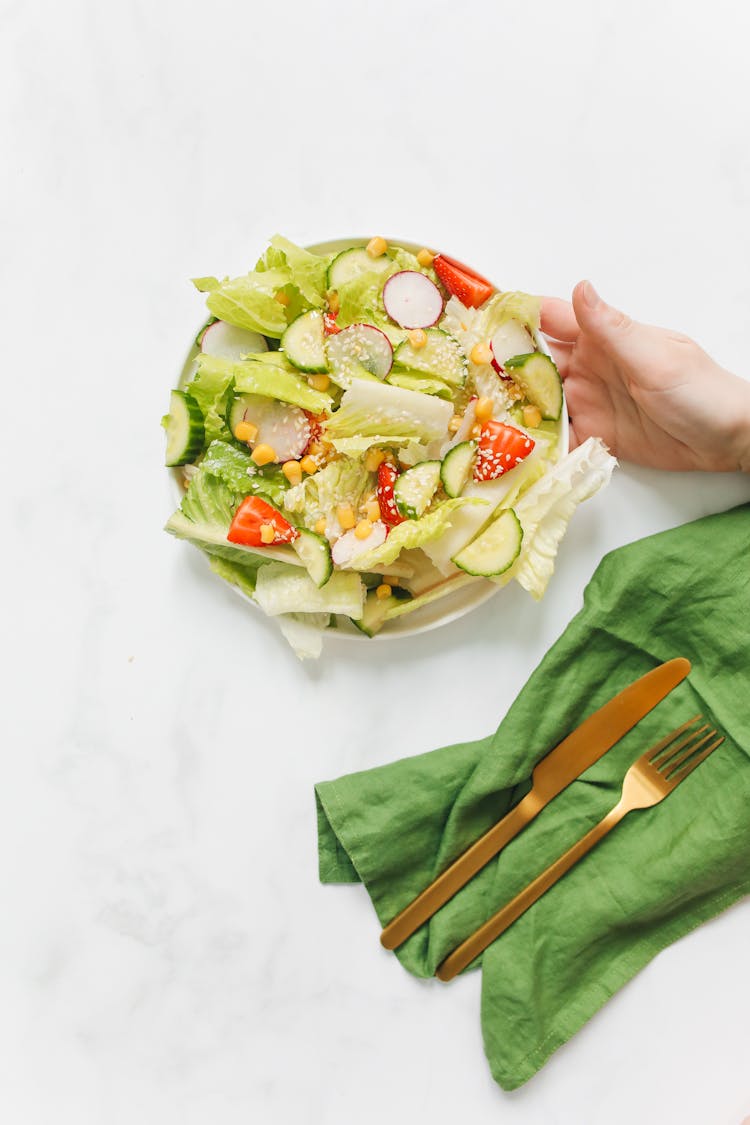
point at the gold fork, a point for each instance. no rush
(648, 781)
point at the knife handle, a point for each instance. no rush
(468, 950)
(460, 872)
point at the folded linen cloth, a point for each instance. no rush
(660, 874)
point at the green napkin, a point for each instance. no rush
(661, 873)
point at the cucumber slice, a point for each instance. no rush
(415, 488)
(375, 613)
(303, 343)
(495, 549)
(539, 380)
(352, 263)
(315, 553)
(185, 430)
(457, 467)
(441, 357)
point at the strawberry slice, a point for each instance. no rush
(500, 448)
(471, 288)
(387, 476)
(330, 327)
(253, 514)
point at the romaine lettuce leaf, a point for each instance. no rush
(211, 389)
(409, 534)
(308, 272)
(239, 472)
(419, 381)
(240, 574)
(249, 301)
(390, 412)
(304, 632)
(344, 481)
(546, 508)
(284, 589)
(261, 375)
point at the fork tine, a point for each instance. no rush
(656, 750)
(689, 747)
(667, 755)
(676, 778)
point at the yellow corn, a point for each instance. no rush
(320, 526)
(480, 353)
(455, 423)
(383, 590)
(346, 516)
(363, 530)
(333, 302)
(374, 459)
(417, 337)
(376, 246)
(319, 382)
(282, 298)
(267, 533)
(245, 431)
(532, 416)
(309, 465)
(372, 511)
(263, 455)
(292, 470)
(483, 409)
(425, 257)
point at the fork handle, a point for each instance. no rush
(465, 953)
(460, 872)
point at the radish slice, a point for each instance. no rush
(359, 346)
(412, 300)
(348, 546)
(510, 339)
(225, 341)
(285, 428)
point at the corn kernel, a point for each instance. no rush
(309, 465)
(532, 416)
(372, 511)
(417, 337)
(333, 302)
(267, 533)
(292, 470)
(480, 353)
(383, 590)
(455, 423)
(425, 257)
(476, 430)
(319, 382)
(282, 298)
(363, 530)
(376, 246)
(374, 459)
(389, 580)
(263, 455)
(320, 526)
(245, 431)
(346, 516)
(483, 409)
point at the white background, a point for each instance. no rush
(167, 956)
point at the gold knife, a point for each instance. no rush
(551, 775)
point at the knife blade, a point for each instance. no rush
(553, 773)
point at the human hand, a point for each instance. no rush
(654, 396)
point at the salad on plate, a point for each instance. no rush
(360, 434)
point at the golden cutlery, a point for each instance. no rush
(551, 775)
(650, 779)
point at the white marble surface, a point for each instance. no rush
(166, 952)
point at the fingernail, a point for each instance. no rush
(590, 295)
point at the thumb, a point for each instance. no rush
(598, 318)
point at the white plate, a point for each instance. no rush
(446, 609)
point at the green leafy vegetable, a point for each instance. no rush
(211, 387)
(409, 534)
(389, 412)
(235, 468)
(266, 374)
(341, 482)
(282, 589)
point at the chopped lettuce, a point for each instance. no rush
(308, 272)
(211, 390)
(420, 381)
(284, 589)
(392, 413)
(243, 575)
(410, 533)
(344, 481)
(268, 375)
(472, 325)
(250, 301)
(304, 632)
(239, 472)
(546, 508)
